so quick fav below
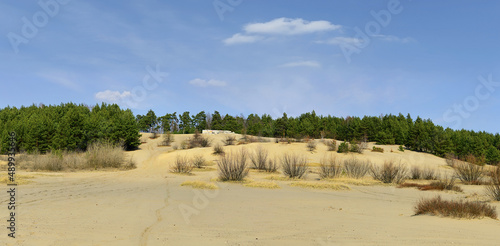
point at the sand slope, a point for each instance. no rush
(147, 206)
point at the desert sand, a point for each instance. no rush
(148, 206)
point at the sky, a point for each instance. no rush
(439, 60)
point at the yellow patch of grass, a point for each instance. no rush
(205, 169)
(266, 185)
(19, 179)
(353, 181)
(280, 178)
(314, 164)
(318, 185)
(197, 184)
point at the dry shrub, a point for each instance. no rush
(355, 148)
(294, 166)
(167, 140)
(451, 160)
(199, 141)
(390, 172)
(47, 162)
(260, 160)
(456, 209)
(330, 168)
(429, 174)
(218, 150)
(233, 166)
(331, 144)
(415, 173)
(229, 140)
(446, 184)
(311, 146)
(198, 161)
(493, 189)
(355, 168)
(377, 149)
(104, 155)
(469, 173)
(181, 165)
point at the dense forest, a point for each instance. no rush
(67, 127)
(418, 135)
(73, 127)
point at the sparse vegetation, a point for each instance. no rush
(355, 148)
(390, 172)
(343, 148)
(318, 185)
(233, 166)
(469, 173)
(294, 166)
(415, 173)
(104, 155)
(198, 161)
(430, 174)
(401, 148)
(456, 209)
(167, 140)
(331, 144)
(355, 168)
(181, 165)
(260, 160)
(377, 149)
(311, 146)
(230, 140)
(199, 141)
(330, 168)
(200, 185)
(263, 184)
(446, 184)
(493, 189)
(218, 150)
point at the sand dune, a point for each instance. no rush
(148, 206)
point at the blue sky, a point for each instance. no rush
(436, 59)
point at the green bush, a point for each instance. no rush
(343, 148)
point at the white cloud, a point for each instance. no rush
(206, 83)
(287, 26)
(343, 41)
(391, 38)
(302, 64)
(240, 38)
(112, 96)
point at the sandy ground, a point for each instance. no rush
(148, 206)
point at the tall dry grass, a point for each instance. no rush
(457, 209)
(294, 166)
(105, 155)
(233, 166)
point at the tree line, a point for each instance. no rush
(415, 134)
(68, 127)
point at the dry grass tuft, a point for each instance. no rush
(294, 166)
(200, 185)
(469, 173)
(355, 168)
(181, 165)
(389, 173)
(330, 168)
(198, 161)
(317, 185)
(353, 181)
(233, 166)
(20, 179)
(455, 209)
(280, 178)
(446, 184)
(218, 150)
(493, 189)
(263, 184)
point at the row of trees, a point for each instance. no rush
(67, 127)
(419, 134)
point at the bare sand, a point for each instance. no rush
(148, 206)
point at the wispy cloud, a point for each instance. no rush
(302, 64)
(287, 26)
(206, 83)
(391, 38)
(241, 38)
(342, 41)
(61, 78)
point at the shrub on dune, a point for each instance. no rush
(457, 209)
(389, 173)
(355, 168)
(233, 166)
(294, 166)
